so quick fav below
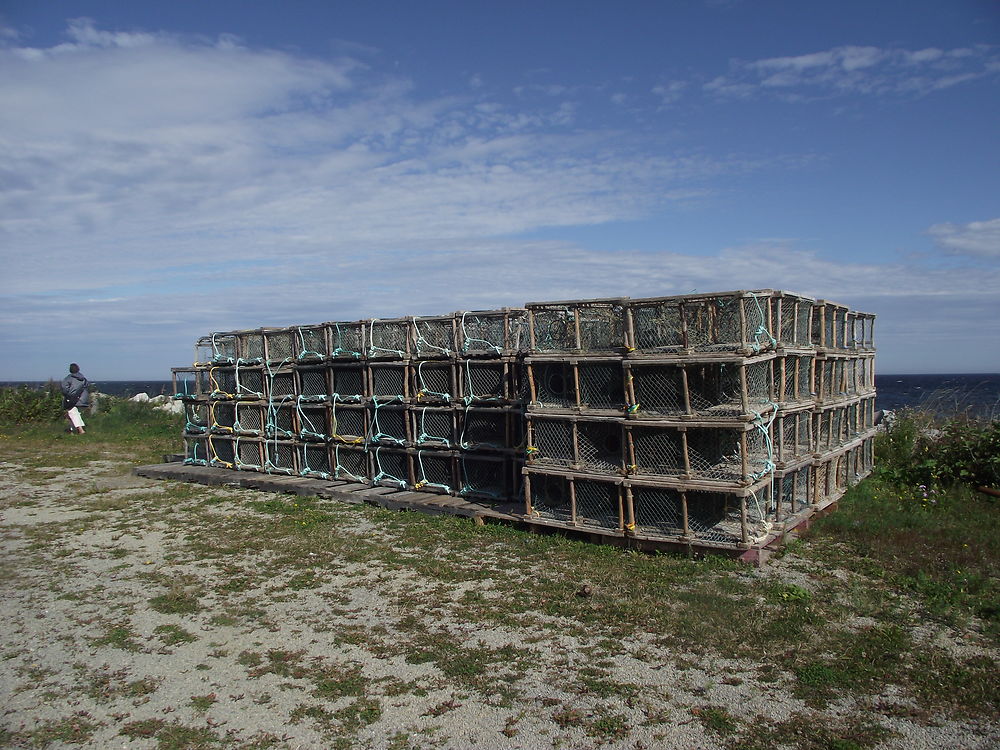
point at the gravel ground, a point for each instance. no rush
(354, 656)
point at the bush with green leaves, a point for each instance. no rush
(25, 405)
(918, 450)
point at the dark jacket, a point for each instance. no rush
(74, 391)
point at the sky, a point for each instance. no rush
(172, 169)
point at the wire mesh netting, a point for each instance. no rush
(280, 420)
(434, 381)
(251, 347)
(600, 447)
(793, 378)
(554, 329)
(388, 424)
(602, 327)
(484, 428)
(493, 331)
(657, 451)
(794, 436)
(280, 385)
(313, 384)
(217, 348)
(658, 512)
(195, 450)
(223, 382)
(657, 326)
(190, 383)
(310, 343)
(314, 461)
(388, 338)
(250, 419)
(347, 383)
(598, 504)
(602, 386)
(279, 457)
(249, 383)
(434, 337)
(221, 451)
(279, 346)
(658, 389)
(390, 466)
(552, 441)
(794, 490)
(484, 381)
(223, 417)
(554, 384)
(388, 381)
(351, 464)
(195, 417)
(713, 516)
(791, 319)
(314, 422)
(249, 454)
(346, 339)
(713, 324)
(718, 454)
(550, 496)
(486, 477)
(434, 426)
(348, 423)
(434, 470)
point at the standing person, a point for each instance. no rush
(76, 396)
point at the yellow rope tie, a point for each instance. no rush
(633, 408)
(630, 526)
(630, 348)
(421, 483)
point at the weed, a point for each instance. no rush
(715, 719)
(172, 635)
(202, 703)
(117, 636)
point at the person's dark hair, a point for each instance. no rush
(74, 368)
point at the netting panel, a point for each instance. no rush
(484, 381)
(223, 417)
(434, 426)
(348, 423)
(713, 324)
(314, 422)
(280, 346)
(484, 477)
(195, 417)
(314, 460)
(279, 457)
(659, 389)
(249, 419)
(715, 389)
(657, 327)
(388, 381)
(280, 420)
(388, 424)
(554, 384)
(600, 447)
(388, 338)
(346, 339)
(795, 490)
(435, 470)
(434, 381)
(249, 384)
(249, 454)
(484, 428)
(554, 329)
(550, 496)
(351, 464)
(434, 337)
(281, 385)
(195, 451)
(251, 347)
(313, 385)
(710, 516)
(221, 450)
(483, 332)
(223, 382)
(347, 382)
(598, 504)
(553, 441)
(658, 512)
(310, 343)
(391, 466)
(657, 450)
(601, 385)
(602, 328)
(717, 454)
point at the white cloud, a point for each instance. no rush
(980, 239)
(855, 70)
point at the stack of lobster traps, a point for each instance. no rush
(423, 403)
(715, 420)
(712, 420)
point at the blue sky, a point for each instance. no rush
(169, 169)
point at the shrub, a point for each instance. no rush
(25, 405)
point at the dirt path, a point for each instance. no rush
(148, 614)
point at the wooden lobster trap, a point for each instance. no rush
(349, 423)
(434, 336)
(488, 477)
(492, 333)
(388, 380)
(593, 386)
(487, 381)
(280, 457)
(244, 383)
(792, 375)
(216, 349)
(489, 428)
(433, 426)
(433, 381)
(279, 346)
(314, 460)
(595, 326)
(388, 339)
(279, 384)
(388, 423)
(190, 383)
(312, 343)
(434, 470)
(346, 339)
(347, 382)
(250, 345)
(312, 383)
(576, 444)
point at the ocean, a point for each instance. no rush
(945, 394)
